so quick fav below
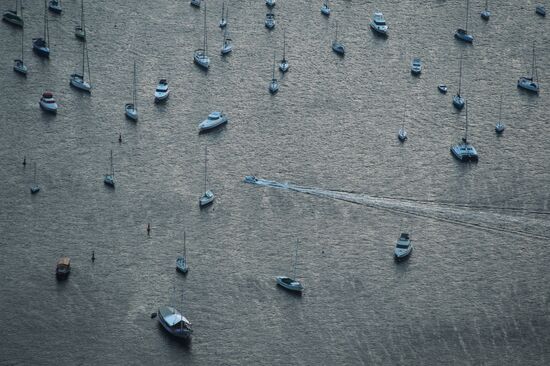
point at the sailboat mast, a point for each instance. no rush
(273, 75)
(134, 91)
(112, 168)
(34, 179)
(533, 63)
(460, 77)
(336, 36)
(223, 9)
(486, 4)
(22, 38)
(82, 17)
(500, 109)
(295, 260)
(205, 44)
(467, 14)
(466, 132)
(284, 45)
(205, 160)
(83, 58)
(184, 244)
(46, 33)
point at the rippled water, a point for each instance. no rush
(334, 177)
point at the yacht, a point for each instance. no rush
(403, 247)
(55, 6)
(63, 268)
(14, 17)
(416, 66)
(270, 20)
(462, 34)
(181, 261)
(173, 321)
(270, 3)
(530, 83)
(325, 9)
(223, 20)
(486, 14)
(499, 127)
(19, 64)
(162, 92)
(215, 119)
(109, 178)
(47, 103)
(338, 46)
(200, 56)
(196, 3)
(283, 65)
(80, 30)
(378, 24)
(227, 46)
(540, 10)
(41, 45)
(464, 151)
(442, 88)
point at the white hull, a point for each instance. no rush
(131, 112)
(273, 87)
(209, 124)
(202, 60)
(20, 67)
(226, 49)
(78, 83)
(161, 96)
(206, 199)
(283, 66)
(48, 107)
(528, 84)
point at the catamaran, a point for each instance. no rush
(464, 151)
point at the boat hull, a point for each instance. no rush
(80, 84)
(39, 47)
(463, 36)
(403, 256)
(10, 17)
(283, 66)
(294, 286)
(458, 102)
(338, 48)
(464, 157)
(181, 265)
(20, 68)
(131, 112)
(209, 125)
(46, 108)
(528, 84)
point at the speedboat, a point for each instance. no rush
(161, 92)
(181, 265)
(12, 17)
(130, 111)
(402, 134)
(47, 103)
(20, 67)
(196, 3)
(529, 84)
(174, 322)
(338, 47)
(403, 247)
(378, 24)
(464, 151)
(63, 268)
(462, 35)
(270, 20)
(458, 101)
(273, 86)
(55, 6)
(270, 3)
(499, 127)
(206, 199)
(215, 119)
(77, 81)
(416, 66)
(290, 284)
(250, 179)
(325, 10)
(201, 59)
(442, 88)
(540, 10)
(40, 47)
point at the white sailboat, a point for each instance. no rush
(325, 9)
(223, 20)
(486, 14)
(19, 64)
(283, 65)
(274, 84)
(462, 34)
(109, 178)
(291, 283)
(41, 45)
(55, 6)
(338, 46)
(80, 30)
(227, 46)
(208, 197)
(14, 17)
(499, 127)
(78, 79)
(464, 151)
(402, 134)
(35, 188)
(200, 57)
(174, 322)
(181, 261)
(130, 109)
(458, 100)
(530, 83)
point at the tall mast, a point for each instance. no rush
(486, 4)
(184, 245)
(22, 38)
(134, 91)
(295, 260)
(112, 168)
(467, 14)
(284, 45)
(466, 132)
(205, 159)
(223, 9)
(82, 18)
(533, 64)
(500, 109)
(34, 180)
(205, 50)
(460, 77)
(273, 75)
(336, 36)
(83, 58)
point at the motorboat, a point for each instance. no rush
(402, 134)
(325, 9)
(174, 322)
(215, 119)
(250, 179)
(464, 151)
(499, 127)
(55, 6)
(270, 20)
(290, 284)
(462, 35)
(530, 83)
(162, 92)
(47, 103)
(486, 14)
(227, 46)
(206, 199)
(416, 66)
(403, 247)
(63, 268)
(442, 88)
(40, 47)
(378, 24)
(77, 80)
(540, 10)
(458, 101)
(270, 3)
(196, 3)
(109, 178)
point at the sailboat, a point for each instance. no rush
(283, 65)
(458, 100)
(402, 134)
(35, 188)
(174, 322)
(207, 197)
(291, 283)
(200, 56)
(109, 178)
(325, 9)
(274, 84)
(462, 34)
(270, 20)
(530, 83)
(55, 6)
(19, 64)
(223, 20)
(41, 45)
(130, 109)
(181, 262)
(80, 30)
(196, 3)
(464, 151)
(486, 14)
(14, 16)
(499, 127)
(227, 46)
(337, 46)
(78, 80)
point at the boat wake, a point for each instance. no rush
(515, 221)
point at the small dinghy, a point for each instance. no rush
(442, 88)
(402, 134)
(162, 92)
(47, 103)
